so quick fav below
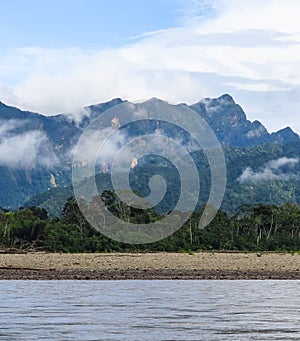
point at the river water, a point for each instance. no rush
(150, 310)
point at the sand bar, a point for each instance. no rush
(162, 265)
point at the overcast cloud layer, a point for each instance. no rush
(250, 49)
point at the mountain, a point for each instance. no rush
(229, 122)
(36, 153)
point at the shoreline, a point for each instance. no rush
(52, 274)
(149, 266)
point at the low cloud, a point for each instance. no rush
(24, 149)
(284, 161)
(99, 147)
(8, 126)
(255, 133)
(272, 170)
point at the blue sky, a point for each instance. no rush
(82, 23)
(58, 56)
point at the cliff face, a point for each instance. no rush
(230, 124)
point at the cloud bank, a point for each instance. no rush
(249, 49)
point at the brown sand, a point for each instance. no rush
(201, 265)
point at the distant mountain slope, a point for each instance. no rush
(36, 150)
(230, 124)
(261, 174)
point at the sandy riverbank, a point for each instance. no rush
(202, 265)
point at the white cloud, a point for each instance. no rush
(272, 170)
(8, 126)
(254, 133)
(257, 86)
(268, 14)
(23, 149)
(249, 49)
(284, 161)
(88, 153)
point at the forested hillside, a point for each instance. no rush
(36, 154)
(267, 174)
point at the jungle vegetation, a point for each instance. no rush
(257, 227)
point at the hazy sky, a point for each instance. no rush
(60, 55)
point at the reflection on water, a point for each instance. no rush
(149, 310)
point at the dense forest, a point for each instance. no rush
(267, 174)
(257, 227)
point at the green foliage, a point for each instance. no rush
(269, 191)
(23, 228)
(256, 227)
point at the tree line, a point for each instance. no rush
(256, 227)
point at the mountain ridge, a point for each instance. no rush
(48, 141)
(213, 110)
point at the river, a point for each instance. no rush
(150, 310)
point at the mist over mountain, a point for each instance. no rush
(36, 152)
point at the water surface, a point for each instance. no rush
(150, 310)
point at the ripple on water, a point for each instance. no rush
(150, 310)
